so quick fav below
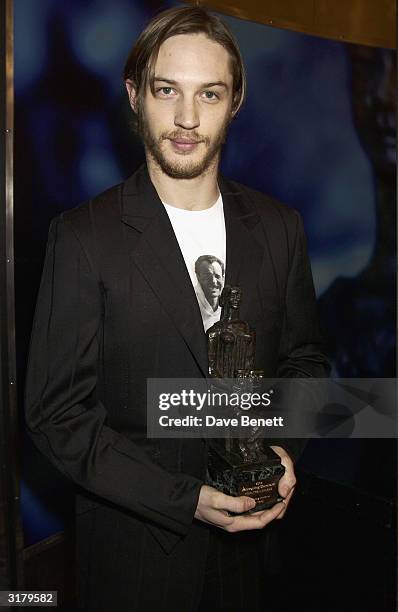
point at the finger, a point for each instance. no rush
(282, 514)
(285, 502)
(234, 504)
(257, 520)
(286, 484)
(218, 518)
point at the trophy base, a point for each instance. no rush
(229, 473)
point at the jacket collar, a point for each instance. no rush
(140, 201)
(159, 258)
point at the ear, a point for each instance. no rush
(132, 94)
(235, 107)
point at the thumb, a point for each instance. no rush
(284, 488)
(239, 504)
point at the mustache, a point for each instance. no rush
(181, 135)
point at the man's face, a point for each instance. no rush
(184, 120)
(235, 297)
(211, 280)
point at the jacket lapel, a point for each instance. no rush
(244, 246)
(158, 256)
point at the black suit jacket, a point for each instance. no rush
(116, 306)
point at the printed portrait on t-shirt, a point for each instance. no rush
(201, 237)
(210, 272)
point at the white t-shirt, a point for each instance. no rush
(201, 235)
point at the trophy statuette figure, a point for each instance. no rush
(239, 466)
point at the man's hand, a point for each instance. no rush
(288, 480)
(213, 507)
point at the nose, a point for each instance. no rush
(186, 114)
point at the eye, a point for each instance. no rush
(210, 95)
(165, 91)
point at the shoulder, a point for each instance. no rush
(88, 226)
(99, 209)
(270, 210)
(106, 208)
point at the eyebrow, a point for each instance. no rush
(171, 82)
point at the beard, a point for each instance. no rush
(188, 169)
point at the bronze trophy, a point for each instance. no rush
(239, 466)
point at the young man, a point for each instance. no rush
(117, 306)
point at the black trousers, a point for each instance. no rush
(234, 578)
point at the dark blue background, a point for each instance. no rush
(295, 139)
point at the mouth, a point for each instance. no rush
(184, 145)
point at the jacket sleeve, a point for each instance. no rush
(301, 349)
(64, 416)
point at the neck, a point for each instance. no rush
(189, 194)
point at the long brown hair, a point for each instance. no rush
(172, 22)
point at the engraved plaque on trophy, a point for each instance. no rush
(239, 466)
